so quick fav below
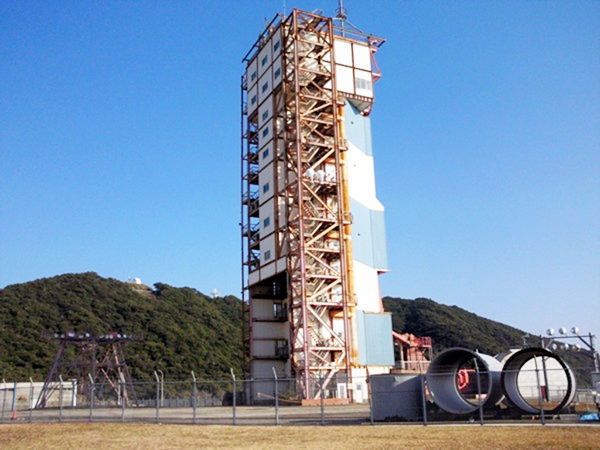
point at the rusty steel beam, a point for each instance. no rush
(312, 140)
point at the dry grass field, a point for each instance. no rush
(119, 436)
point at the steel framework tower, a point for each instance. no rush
(300, 305)
(98, 357)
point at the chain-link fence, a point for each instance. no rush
(470, 395)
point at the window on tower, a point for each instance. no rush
(362, 83)
(279, 310)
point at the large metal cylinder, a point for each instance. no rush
(442, 380)
(540, 371)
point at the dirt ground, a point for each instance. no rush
(124, 436)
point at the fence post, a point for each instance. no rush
(194, 398)
(539, 389)
(31, 405)
(74, 395)
(157, 397)
(479, 403)
(234, 396)
(60, 398)
(162, 388)
(122, 390)
(370, 395)
(14, 402)
(3, 399)
(276, 397)
(423, 399)
(321, 383)
(92, 395)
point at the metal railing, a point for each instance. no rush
(412, 365)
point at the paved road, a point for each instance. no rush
(223, 415)
(250, 415)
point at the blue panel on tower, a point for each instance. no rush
(375, 344)
(368, 236)
(362, 240)
(358, 129)
(379, 241)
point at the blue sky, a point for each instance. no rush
(119, 146)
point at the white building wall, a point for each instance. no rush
(366, 288)
(267, 219)
(344, 79)
(265, 184)
(264, 369)
(252, 99)
(265, 134)
(265, 112)
(282, 211)
(265, 86)
(361, 177)
(282, 262)
(267, 270)
(275, 330)
(267, 247)
(262, 308)
(265, 155)
(362, 57)
(276, 43)
(263, 348)
(277, 72)
(253, 277)
(353, 68)
(264, 59)
(252, 73)
(343, 52)
(363, 83)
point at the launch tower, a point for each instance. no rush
(313, 234)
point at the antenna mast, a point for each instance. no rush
(341, 13)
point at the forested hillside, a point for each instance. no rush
(451, 326)
(179, 329)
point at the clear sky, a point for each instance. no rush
(119, 146)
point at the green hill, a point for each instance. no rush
(451, 326)
(179, 329)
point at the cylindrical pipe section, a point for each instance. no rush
(556, 380)
(443, 374)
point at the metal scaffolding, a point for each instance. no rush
(94, 359)
(316, 247)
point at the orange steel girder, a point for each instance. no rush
(318, 288)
